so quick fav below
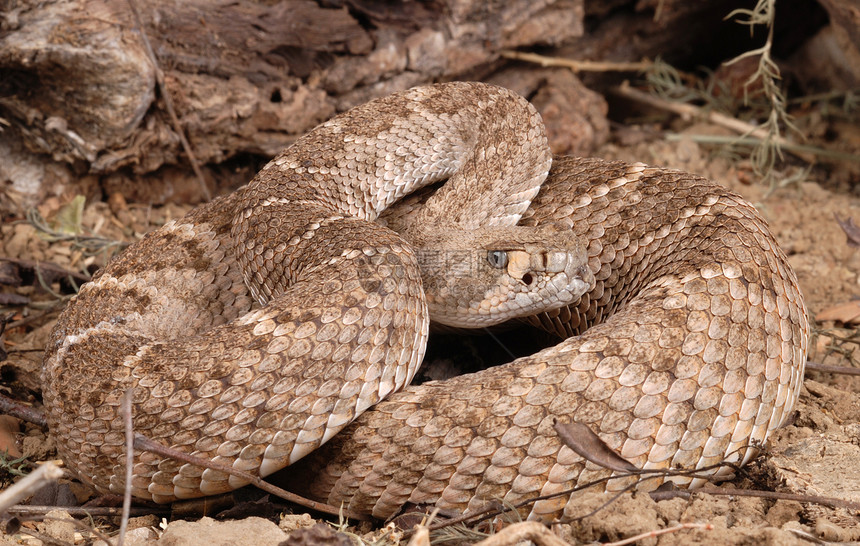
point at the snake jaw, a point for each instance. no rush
(534, 279)
(486, 276)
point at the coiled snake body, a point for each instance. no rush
(689, 344)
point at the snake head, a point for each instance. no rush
(483, 277)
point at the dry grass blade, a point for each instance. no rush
(421, 536)
(589, 446)
(852, 230)
(823, 155)
(90, 244)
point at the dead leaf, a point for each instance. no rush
(9, 274)
(69, 219)
(9, 429)
(852, 230)
(846, 313)
(13, 525)
(589, 446)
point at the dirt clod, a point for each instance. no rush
(251, 531)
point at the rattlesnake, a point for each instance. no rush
(688, 345)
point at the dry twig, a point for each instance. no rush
(89, 244)
(55, 307)
(49, 270)
(822, 154)
(129, 464)
(767, 75)
(45, 474)
(576, 65)
(82, 525)
(143, 443)
(20, 411)
(689, 111)
(108, 511)
(168, 104)
(832, 502)
(843, 370)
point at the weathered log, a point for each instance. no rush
(80, 110)
(77, 85)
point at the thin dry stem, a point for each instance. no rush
(842, 370)
(89, 244)
(110, 511)
(143, 443)
(777, 495)
(421, 536)
(800, 150)
(21, 411)
(45, 474)
(168, 104)
(767, 74)
(576, 65)
(79, 524)
(689, 111)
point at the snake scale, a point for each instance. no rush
(262, 323)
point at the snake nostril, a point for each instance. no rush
(528, 279)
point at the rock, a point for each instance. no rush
(251, 531)
(291, 522)
(59, 524)
(142, 536)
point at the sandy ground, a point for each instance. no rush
(816, 455)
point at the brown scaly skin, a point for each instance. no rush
(696, 348)
(344, 321)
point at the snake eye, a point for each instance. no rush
(497, 258)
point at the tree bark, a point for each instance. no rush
(76, 83)
(80, 111)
